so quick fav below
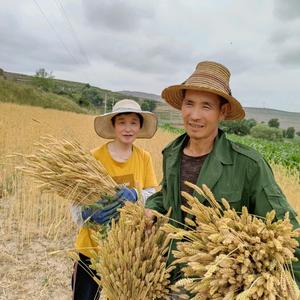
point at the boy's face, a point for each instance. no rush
(127, 127)
(201, 114)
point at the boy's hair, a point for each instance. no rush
(113, 119)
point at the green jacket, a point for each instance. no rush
(232, 171)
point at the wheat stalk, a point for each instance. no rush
(131, 261)
(64, 167)
(234, 256)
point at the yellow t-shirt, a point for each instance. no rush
(137, 172)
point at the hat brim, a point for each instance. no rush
(104, 127)
(174, 96)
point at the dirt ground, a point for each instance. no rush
(31, 271)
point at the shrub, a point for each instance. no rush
(274, 123)
(265, 132)
(290, 133)
(241, 127)
(44, 80)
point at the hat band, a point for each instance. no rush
(215, 78)
(125, 109)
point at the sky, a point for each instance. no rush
(147, 45)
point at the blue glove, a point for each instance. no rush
(127, 194)
(102, 216)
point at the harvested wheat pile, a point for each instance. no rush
(230, 256)
(64, 167)
(131, 260)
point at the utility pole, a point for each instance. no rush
(105, 102)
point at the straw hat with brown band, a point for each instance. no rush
(210, 77)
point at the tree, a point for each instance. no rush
(274, 123)
(284, 133)
(266, 132)
(298, 133)
(241, 127)
(44, 80)
(92, 95)
(145, 106)
(290, 133)
(149, 105)
(251, 122)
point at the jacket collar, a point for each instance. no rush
(213, 165)
(220, 148)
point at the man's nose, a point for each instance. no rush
(196, 113)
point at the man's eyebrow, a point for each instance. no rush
(207, 103)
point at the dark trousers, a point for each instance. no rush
(83, 285)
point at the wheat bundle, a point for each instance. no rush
(233, 256)
(131, 260)
(64, 167)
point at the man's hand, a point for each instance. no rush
(149, 214)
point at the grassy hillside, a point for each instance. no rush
(79, 97)
(12, 92)
(92, 98)
(286, 119)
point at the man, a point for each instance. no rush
(203, 155)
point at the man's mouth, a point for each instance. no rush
(193, 125)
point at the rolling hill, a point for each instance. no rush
(14, 84)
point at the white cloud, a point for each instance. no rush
(148, 45)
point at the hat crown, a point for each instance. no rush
(211, 75)
(126, 105)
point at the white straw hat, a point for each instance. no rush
(104, 127)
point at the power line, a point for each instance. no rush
(56, 33)
(73, 32)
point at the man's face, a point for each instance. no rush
(201, 114)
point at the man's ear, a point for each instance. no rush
(224, 111)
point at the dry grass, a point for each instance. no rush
(28, 218)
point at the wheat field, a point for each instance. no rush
(36, 230)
